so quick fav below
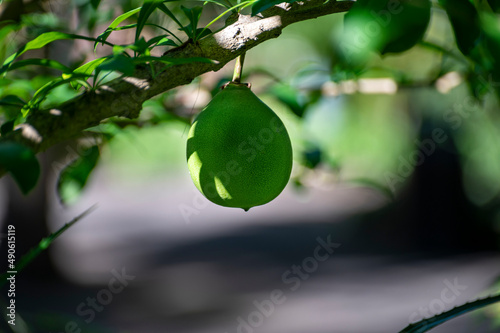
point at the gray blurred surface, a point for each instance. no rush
(205, 275)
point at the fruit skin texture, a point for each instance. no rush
(238, 150)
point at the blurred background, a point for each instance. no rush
(392, 213)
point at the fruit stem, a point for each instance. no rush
(238, 68)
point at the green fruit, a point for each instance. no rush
(238, 150)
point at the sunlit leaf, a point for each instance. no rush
(156, 40)
(166, 42)
(73, 178)
(219, 3)
(40, 42)
(21, 163)
(86, 69)
(114, 24)
(42, 93)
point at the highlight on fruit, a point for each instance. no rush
(239, 153)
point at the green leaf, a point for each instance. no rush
(21, 163)
(40, 42)
(11, 100)
(193, 15)
(147, 9)
(102, 37)
(202, 32)
(491, 30)
(408, 27)
(41, 93)
(73, 178)
(140, 45)
(464, 19)
(89, 67)
(243, 5)
(172, 61)
(165, 42)
(219, 3)
(155, 40)
(39, 62)
(384, 26)
(169, 13)
(261, 5)
(120, 63)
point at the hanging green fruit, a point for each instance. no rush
(238, 150)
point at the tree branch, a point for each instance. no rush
(124, 96)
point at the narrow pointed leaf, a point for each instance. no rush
(147, 9)
(43, 245)
(114, 24)
(39, 62)
(40, 42)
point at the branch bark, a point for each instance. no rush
(124, 96)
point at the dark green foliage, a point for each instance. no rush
(74, 177)
(21, 163)
(384, 26)
(495, 5)
(465, 21)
